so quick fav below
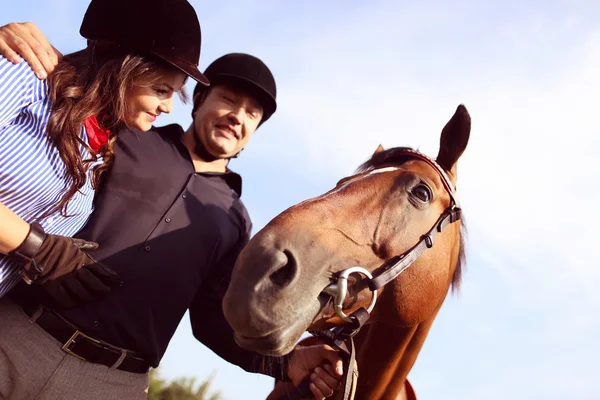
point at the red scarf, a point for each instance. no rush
(97, 137)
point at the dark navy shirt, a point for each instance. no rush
(173, 236)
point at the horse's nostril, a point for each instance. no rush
(284, 275)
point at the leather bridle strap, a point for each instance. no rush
(443, 175)
(341, 338)
(398, 264)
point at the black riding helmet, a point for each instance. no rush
(246, 72)
(135, 24)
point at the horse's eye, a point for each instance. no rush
(422, 192)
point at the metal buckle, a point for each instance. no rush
(339, 290)
(71, 340)
(428, 241)
(119, 361)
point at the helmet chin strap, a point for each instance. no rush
(201, 151)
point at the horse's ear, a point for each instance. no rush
(379, 149)
(454, 139)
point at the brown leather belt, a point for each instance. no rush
(82, 346)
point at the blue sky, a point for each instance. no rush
(352, 75)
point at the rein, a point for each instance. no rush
(341, 337)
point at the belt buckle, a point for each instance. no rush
(71, 340)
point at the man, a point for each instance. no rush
(170, 222)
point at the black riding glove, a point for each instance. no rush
(62, 267)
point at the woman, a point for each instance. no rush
(57, 136)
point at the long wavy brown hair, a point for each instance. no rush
(93, 82)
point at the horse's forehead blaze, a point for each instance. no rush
(351, 181)
(416, 165)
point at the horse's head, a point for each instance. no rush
(278, 284)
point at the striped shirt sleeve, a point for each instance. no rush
(17, 90)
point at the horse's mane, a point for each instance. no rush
(393, 156)
(397, 156)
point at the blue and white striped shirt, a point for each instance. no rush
(32, 174)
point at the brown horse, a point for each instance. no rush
(398, 201)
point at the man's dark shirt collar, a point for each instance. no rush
(232, 179)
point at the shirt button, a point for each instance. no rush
(184, 196)
(167, 220)
(96, 324)
(50, 220)
(147, 248)
(121, 283)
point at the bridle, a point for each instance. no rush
(390, 270)
(398, 264)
